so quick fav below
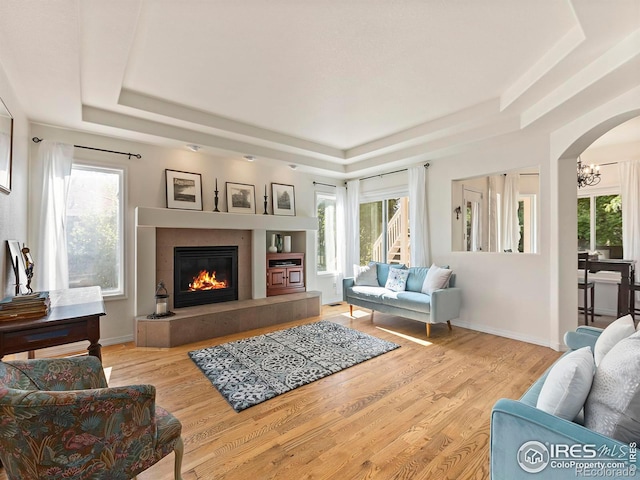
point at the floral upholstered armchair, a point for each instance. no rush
(59, 420)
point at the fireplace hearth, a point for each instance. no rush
(205, 274)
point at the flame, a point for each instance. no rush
(206, 281)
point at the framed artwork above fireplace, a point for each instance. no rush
(241, 198)
(184, 190)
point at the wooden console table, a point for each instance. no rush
(285, 273)
(74, 316)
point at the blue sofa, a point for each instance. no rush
(441, 306)
(517, 425)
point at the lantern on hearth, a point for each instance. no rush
(162, 300)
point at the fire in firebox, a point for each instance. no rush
(206, 281)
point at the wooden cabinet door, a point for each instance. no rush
(295, 277)
(277, 278)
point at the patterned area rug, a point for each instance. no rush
(249, 371)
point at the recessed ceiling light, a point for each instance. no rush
(293, 166)
(193, 148)
(249, 158)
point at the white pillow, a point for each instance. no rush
(613, 405)
(397, 280)
(618, 330)
(567, 386)
(436, 278)
(367, 275)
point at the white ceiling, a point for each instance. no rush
(341, 87)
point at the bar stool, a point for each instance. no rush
(633, 288)
(587, 287)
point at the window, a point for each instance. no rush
(600, 224)
(384, 231)
(94, 228)
(326, 211)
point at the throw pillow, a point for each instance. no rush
(397, 280)
(436, 279)
(613, 405)
(366, 276)
(618, 330)
(567, 385)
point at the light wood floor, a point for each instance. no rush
(419, 412)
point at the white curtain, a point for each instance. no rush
(630, 194)
(351, 228)
(418, 220)
(52, 271)
(476, 228)
(511, 230)
(341, 235)
(494, 232)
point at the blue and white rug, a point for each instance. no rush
(249, 371)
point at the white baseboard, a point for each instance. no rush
(507, 334)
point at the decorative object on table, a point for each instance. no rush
(273, 248)
(25, 307)
(215, 198)
(162, 302)
(249, 371)
(18, 266)
(279, 242)
(28, 269)
(184, 190)
(286, 247)
(284, 199)
(241, 198)
(6, 147)
(266, 198)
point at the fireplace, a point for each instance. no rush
(203, 275)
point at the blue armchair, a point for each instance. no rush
(58, 419)
(528, 443)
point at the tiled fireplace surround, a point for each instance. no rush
(159, 230)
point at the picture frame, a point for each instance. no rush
(184, 190)
(241, 198)
(6, 148)
(283, 199)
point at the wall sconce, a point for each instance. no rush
(458, 211)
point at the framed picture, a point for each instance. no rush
(6, 147)
(184, 190)
(284, 199)
(241, 198)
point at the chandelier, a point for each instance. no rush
(588, 175)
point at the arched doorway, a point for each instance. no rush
(568, 143)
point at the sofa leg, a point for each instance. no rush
(428, 330)
(449, 325)
(372, 315)
(351, 310)
(179, 452)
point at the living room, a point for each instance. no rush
(541, 105)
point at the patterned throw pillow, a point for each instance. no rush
(613, 404)
(397, 280)
(366, 276)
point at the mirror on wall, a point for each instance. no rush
(6, 147)
(496, 213)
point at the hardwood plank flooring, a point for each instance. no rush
(419, 412)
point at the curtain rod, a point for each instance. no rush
(137, 155)
(325, 184)
(426, 165)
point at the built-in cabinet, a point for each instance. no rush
(285, 273)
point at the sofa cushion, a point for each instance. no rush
(567, 385)
(616, 331)
(613, 405)
(383, 271)
(417, 302)
(369, 294)
(366, 275)
(416, 278)
(437, 277)
(397, 280)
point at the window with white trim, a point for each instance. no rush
(600, 223)
(94, 226)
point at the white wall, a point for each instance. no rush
(145, 186)
(13, 206)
